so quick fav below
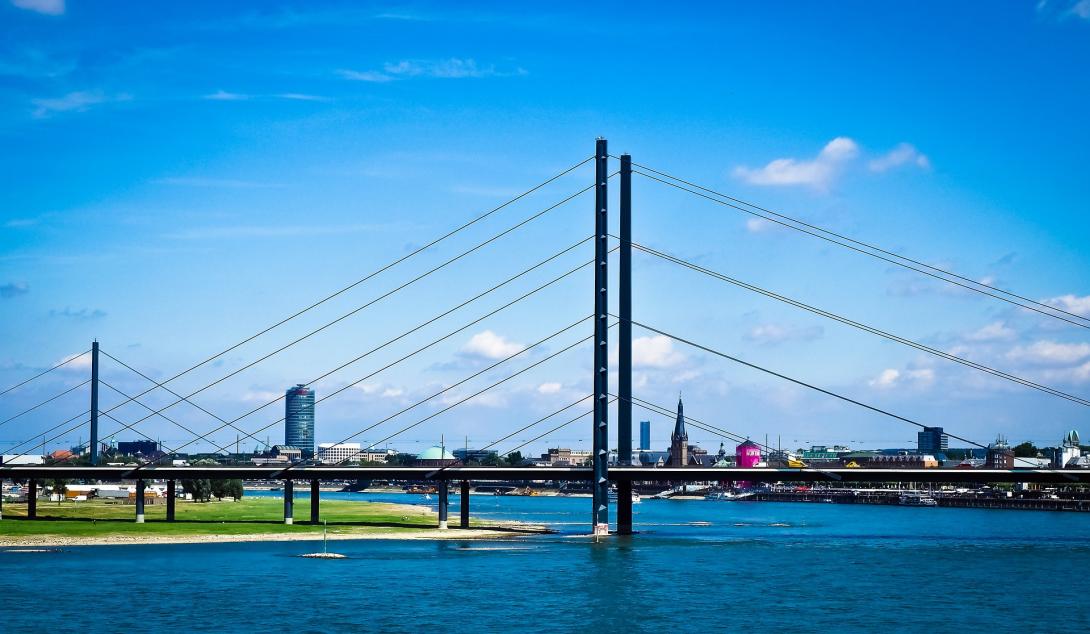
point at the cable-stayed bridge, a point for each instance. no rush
(558, 340)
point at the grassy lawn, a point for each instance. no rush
(248, 516)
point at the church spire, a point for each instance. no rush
(679, 426)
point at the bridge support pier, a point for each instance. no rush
(1, 498)
(624, 351)
(289, 495)
(463, 503)
(170, 500)
(139, 501)
(444, 499)
(32, 499)
(624, 507)
(600, 458)
(314, 501)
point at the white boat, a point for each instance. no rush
(613, 496)
(729, 496)
(917, 499)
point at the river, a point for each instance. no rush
(753, 565)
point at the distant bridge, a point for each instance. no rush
(564, 474)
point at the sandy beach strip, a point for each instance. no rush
(57, 541)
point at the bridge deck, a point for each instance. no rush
(616, 474)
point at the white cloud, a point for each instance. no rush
(1071, 303)
(13, 289)
(298, 96)
(773, 334)
(891, 378)
(489, 345)
(685, 376)
(271, 231)
(492, 398)
(216, 182)
(549, 388)
(48, 7)
(887, 378)
(365, 75)
(903, 154)
(1051, 353)
(996, 331)
(76, 362)
(260, 396)
(1063, 9)
(817, 173)
(381, 390)
(1077, 374)
(223, 95)
(452, 68)
(655, 352)
(78, 101)
(759, 225)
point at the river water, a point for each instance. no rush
(695, 566)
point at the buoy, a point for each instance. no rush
(325, 554)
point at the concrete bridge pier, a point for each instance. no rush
(170, 500)
(139, 501)
(444, 498)
(1, 498)
(624, 507)
(289, 494)
(314, 491)
(32, 499)
(464, 504)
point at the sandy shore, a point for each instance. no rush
(56, 541)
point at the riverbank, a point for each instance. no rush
(251, 519)
(893, 498)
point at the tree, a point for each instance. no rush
(401, 460)
(200, 489)
(219, 488)
(235, 489)
(1025, 450)
(60, 487)
(514, 459)
(491, 460)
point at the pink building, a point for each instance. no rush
(747, 456)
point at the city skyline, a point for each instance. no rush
(284, 175)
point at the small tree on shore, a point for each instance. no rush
(200, 489)
(60, 487)
(235, 489)
(219, 488)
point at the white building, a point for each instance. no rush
(23, 459)
(1069, 452)
(334, 453)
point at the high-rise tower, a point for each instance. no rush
(299, 419)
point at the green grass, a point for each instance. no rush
(246, 517)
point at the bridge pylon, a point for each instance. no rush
(600, 458)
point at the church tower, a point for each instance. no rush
(679, 440)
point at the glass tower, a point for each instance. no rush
(645, 435)
(931, 441)
(299, 419)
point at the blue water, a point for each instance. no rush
(812, 567)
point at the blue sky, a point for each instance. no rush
(179, 177)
